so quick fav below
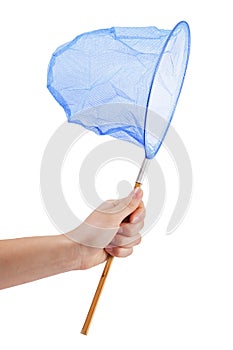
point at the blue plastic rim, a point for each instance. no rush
(166, 87)
(122, 81)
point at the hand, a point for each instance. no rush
(28, 259)
(103, 232)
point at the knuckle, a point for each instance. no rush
(122, 252)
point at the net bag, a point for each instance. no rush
(132, 71)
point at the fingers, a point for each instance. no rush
(119, 251)
(125, 242)
(124, 245)
(138, 215)
(135, 224)
(128, 234)
(128, 205)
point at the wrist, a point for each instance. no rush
(70, 251)
(81, 256)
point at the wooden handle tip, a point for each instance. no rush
(84, 332)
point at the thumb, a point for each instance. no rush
(128, 205)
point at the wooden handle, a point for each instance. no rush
(99, 289)
(100, 286)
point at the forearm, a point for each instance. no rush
(28, 259)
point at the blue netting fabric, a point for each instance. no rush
(106, 81)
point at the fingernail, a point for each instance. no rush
(135, 220)
(138, 192)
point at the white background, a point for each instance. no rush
(176, 291)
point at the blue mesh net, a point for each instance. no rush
(123, 82)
